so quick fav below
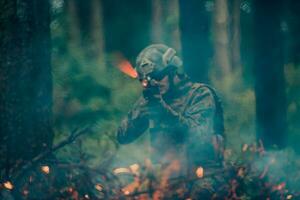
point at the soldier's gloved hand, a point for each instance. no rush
(151, 94)
(148, 107)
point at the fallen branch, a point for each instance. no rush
(18, 172)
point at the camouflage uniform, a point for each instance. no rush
(191, 121)
(185, 124)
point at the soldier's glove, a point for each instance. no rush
(156, 105)
(151, 94)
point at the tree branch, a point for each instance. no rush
(18, 172)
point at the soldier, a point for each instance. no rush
(185, 119)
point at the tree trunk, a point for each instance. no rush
(195, 26)
(165, 27)
(157, 22)
(73, 31)
(294, 29)
(25, 81)
(221, 37)
(269, 73)
(127, 26)
(236, 35)
(84, 13)
(97, 34)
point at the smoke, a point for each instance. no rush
(281, 166)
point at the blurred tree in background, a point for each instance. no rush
(25, 82)
(269, 73)
(195, 29)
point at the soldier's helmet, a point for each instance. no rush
(156, 60)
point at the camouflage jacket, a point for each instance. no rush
(187, 123)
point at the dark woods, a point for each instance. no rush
(62, 95)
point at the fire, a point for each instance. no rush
(127, 68)
(8, 185)
(133, 186)
(200, 172)
(45, 169)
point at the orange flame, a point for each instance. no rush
(127, 68)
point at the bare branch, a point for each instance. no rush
(18, 172)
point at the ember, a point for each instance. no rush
(70, 189)
(45, 169)
(126, 192)
(245, 147)
(200, 172)
(25, 192)
(98, 187)
(8, 185)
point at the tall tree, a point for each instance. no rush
(221, 37)
(195, 21)
(72, 24)
(269, 73)
(294, 29)
(127, 26)
(97, 30)
(236, 34)
(165, 26)
(25, 81)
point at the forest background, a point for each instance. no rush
(61, 60)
